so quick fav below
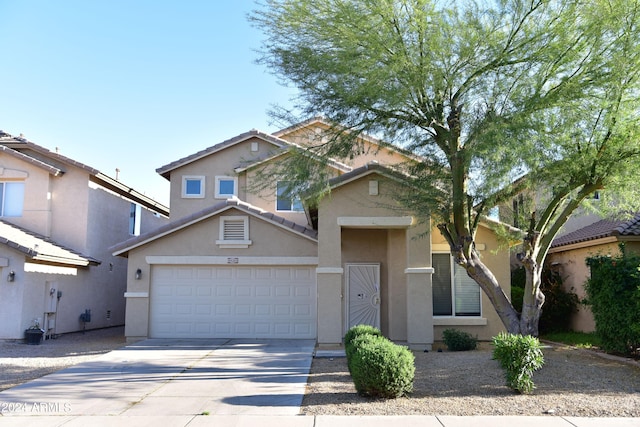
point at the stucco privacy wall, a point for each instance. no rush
(357, 226)
(223, 163)
(572, 267)
(179, 247)
(495, 255)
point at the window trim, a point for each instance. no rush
(3, 199)
(135, 219)
(233, 244)
(292, 200)
(218, 194)
(186, 178)
(453, 293)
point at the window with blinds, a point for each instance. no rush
(454, 292)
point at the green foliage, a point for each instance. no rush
(520, 356)
(576, 339)
(380, 368)
(484, 91)
(457, 340)
(613, 292)
(356, 331)
(518, 280)
(558, 306)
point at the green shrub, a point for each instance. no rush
(380, 368)
(457, 340)
(558, 306)
(356, 331)
(520, 356)
(613, 292)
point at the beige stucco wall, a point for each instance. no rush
(199, 239)
(368, 152)
(495, 255)
(36, 214)
(572, 267)
(83, 217)
(221, 163)
(405, 298)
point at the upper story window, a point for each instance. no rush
(193, 187)
(285, 201)
(226, 187)
(135, 218)
(11, 198)
(234, 232)
(455, 294)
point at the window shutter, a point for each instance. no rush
(234, 229)
(467, 293)
(441, 282)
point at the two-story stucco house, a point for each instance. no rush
(237, 263)
(58, 217)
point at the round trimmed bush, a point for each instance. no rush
(356, 331)
(380, 368)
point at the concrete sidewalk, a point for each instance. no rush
(312, 421)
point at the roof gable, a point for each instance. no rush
(123, 248)
(165, 171)
(319, 124)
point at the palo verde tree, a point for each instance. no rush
(492, 97)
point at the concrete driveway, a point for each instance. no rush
(166, 377)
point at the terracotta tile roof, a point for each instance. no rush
(124, 247)
(601, 229)
(41, 248)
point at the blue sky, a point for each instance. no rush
(132, 84)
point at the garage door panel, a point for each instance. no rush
(233, 302)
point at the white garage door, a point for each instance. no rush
(233, 302)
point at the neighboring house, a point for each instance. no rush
(58, 218)
(569, 252)
(233, 263)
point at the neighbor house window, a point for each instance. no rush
(11, 198)
(455, 294)
(193, 187)
(285, 201)
(135, 213)
(226, 187)
(234, 232)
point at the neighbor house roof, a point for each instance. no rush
(124, 247)
(602, 229)
(54, 163)
(41, 248)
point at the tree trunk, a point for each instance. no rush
(533, 298)
(489, 284)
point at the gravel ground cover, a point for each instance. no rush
(21, 362)
(572, 382)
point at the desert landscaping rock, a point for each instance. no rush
(572, 383)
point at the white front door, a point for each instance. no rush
(363, 295)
